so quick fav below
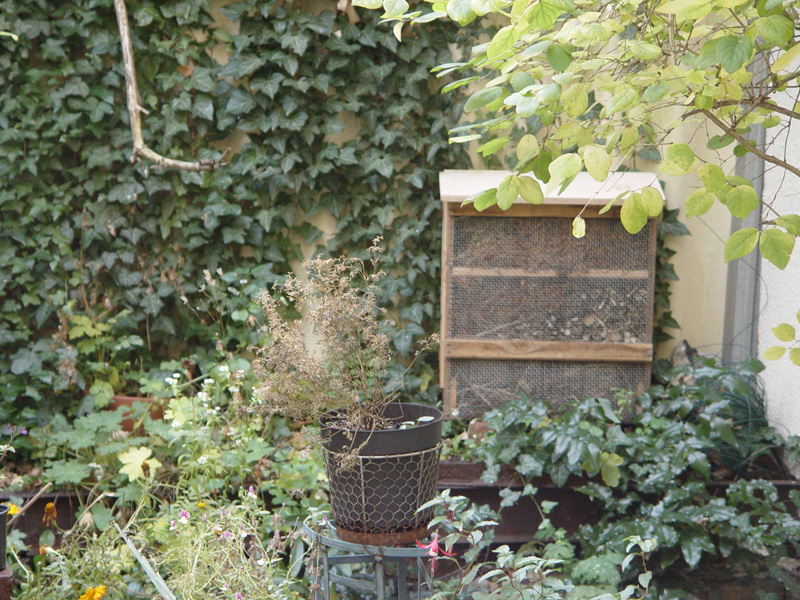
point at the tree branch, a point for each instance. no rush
(140, 149)
(750, 146)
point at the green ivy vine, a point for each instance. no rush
(108, 268)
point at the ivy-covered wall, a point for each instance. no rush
(107, 268)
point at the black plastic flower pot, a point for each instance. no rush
(4, 508)
(379, 479)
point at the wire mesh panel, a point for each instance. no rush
(375, 500)
(528, 308)
(482, 385)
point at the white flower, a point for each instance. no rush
(242, 281)
(208, 381)
(202, 460)
(224, 369)
(202, 396)
(171, 380)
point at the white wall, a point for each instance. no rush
(780, 290)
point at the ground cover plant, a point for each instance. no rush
(656, 476)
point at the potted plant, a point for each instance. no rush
(381, 456)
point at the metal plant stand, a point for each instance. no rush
(325, 540)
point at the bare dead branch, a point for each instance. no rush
(140, 149)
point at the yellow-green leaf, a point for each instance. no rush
(493, 146)
(699, 203)
(786, 59)
(508, 192)
(597, 162)
(394, 8)
(132, 460)
(652, 201)
(784, 332)
(712, 176)
(530, 190)
(502, 42)
(565, 166)
(632, 214)
(740, 243)
(527, 148)
(776, 246)
(740, 200)
(774, 352)
(790, 223)
(578, 227)
(794, 356)
(679, 160)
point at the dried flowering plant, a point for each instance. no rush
(345, 371)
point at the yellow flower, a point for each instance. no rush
(201, 504)
(94, 593)
(12, 508)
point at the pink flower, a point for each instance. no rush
(434, 550)
(173, 526)
(251, 492)
(238, 596)
(183, 517)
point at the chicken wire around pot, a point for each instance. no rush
(375, 498)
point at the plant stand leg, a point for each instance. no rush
(380, 582)
(402, 580)
(6, 583)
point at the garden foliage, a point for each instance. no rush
(108, 268)
(693, 470)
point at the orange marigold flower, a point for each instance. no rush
(49, 513)
(94, 593)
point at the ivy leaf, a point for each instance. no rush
(25, 361)
(740, 243)
(203, 107)
(733, 52)
(240, 102)
(784, 332)
(776, 246)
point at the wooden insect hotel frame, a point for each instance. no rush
(529, 309)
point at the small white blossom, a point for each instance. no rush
(171, 380)
(202, 460)
(242, 281)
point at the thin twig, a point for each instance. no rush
(140, 149)
(751, 147)
(30, 503)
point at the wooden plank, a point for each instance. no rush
(455, 186)
(533, 350)
(588, 274)
(534, 210)
(447, 243)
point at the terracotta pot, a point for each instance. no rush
(156, 410)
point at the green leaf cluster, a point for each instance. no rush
(85, 234)
(690, 469)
